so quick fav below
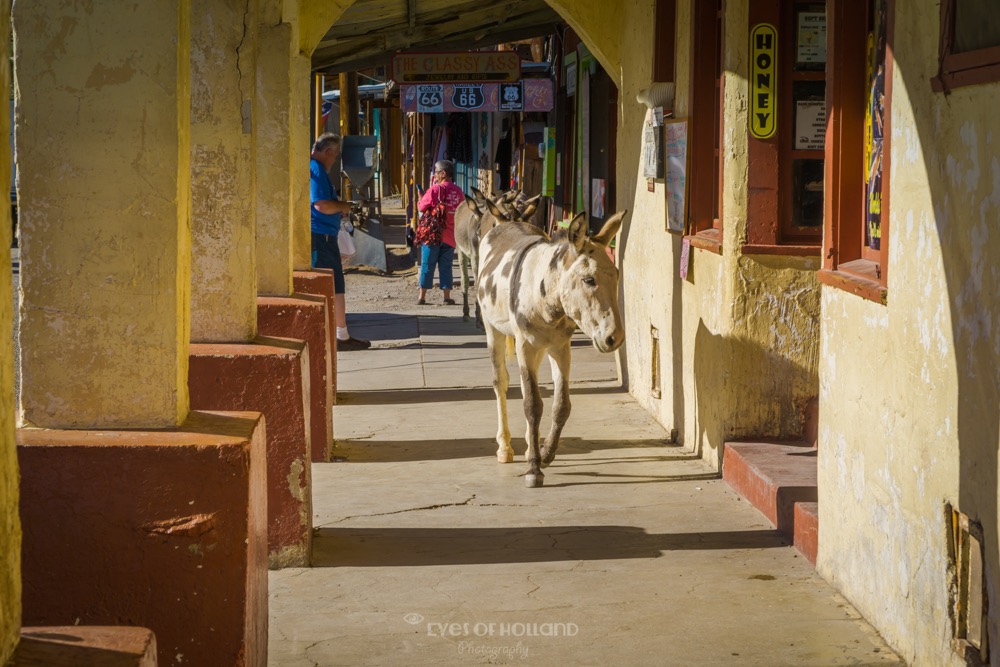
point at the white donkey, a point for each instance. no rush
(536, 291)
(473, 219)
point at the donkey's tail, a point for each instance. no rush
(511, 353)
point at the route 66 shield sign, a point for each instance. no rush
(430, 98)
(468, 97)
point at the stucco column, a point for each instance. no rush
(223, 183)
(301, 143)
(103, 138)
(10, 529)
(274, 112)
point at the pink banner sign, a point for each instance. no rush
(538, 95)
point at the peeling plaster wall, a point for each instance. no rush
(739, 338)
(910, 396)
(10, 527)
(223, 187)
(103, 111)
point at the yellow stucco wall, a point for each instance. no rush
(103, 133)
(301, 141)
(223, 184)
(315, 17)
(10, 529)
(739, 338)
(599, 25)
(910, 396)
(272, 112)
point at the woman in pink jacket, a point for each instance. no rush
(441, 256)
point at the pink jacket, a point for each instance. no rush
(452, 196)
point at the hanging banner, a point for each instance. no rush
(460, 66)
(446, 97)
(763, 81)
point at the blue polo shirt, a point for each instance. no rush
(321, 189)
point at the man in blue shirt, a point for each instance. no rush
(326, 210)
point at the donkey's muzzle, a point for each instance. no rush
(610, 343)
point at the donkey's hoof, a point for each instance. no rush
(533, 481)
(505, 456)
(547, 458)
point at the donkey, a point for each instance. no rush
(473, 220)
(534, 292)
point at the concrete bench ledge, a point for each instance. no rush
(319, 282)
(163, 529)
(779, 479)
(304, 317)
(94, 646)
(270, 376)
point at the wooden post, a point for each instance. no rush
(392, 126)
(317, 105)
(348, 114)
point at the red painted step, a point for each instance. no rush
(776, 478)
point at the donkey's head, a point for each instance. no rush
(514, 210)
(588, 281)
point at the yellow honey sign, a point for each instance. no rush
(763, 81)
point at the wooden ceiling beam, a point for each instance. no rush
(454, 11)
(354, 61)
(481, 21)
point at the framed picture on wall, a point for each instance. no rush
(675, 162)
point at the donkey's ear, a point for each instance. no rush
(511, 196)
(497, 212)
(610, 228)
(578, 230)
(480, 197)
(471, 203)
(530, 207)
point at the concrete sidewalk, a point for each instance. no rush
(429, 552)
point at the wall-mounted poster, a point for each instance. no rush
(811, 39)
(570, 74)
(675, 167)
(597, 197)
(652, 154)
(810, 125)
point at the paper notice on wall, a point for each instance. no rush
(810, 125)
(685, 257)
(597, 193)
(650, 153)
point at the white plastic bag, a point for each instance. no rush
(346, 243)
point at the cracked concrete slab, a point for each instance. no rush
(429, 552)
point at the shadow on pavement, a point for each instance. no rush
(456, 394)
(395, 547)
(398, 451)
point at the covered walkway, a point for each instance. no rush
(427, 552)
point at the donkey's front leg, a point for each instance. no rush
(475, 271)
(528, 359)
(559, 360)
(497, 343)
(464, 261)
